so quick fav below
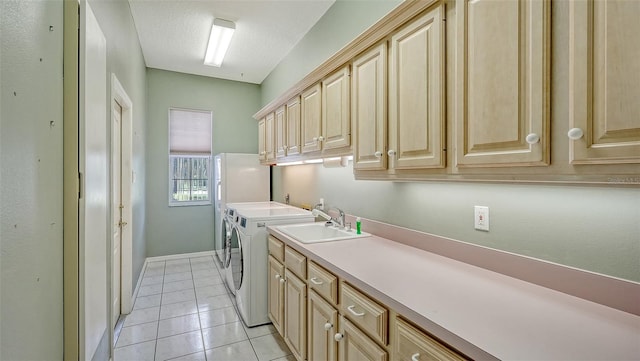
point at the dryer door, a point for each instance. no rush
(221, 241)
(237, 258)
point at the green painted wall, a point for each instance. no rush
(344, 21)
(125, 60)
(31, 298)
(175, 230)
(591, 228)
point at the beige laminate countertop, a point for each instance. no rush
(481, 313)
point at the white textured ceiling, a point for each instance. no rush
(174, 33)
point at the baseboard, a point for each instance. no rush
(178, 256)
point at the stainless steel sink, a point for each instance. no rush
(318, 232)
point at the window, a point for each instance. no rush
(189, 157)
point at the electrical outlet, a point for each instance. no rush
(481, 218)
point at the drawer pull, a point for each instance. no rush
(328, 326)
(315, 281)
(338, 337)
(350, 309)
(415, 357)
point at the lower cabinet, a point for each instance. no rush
(411, 344)
(276, 293)
(353, 344)
(324, 318)
(295, 318)
(322, 325)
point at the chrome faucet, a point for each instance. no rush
(339, 221)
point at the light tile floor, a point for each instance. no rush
(183, 311)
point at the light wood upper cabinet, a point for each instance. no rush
(280, 132)
(269, 137)
(503, 74)
(276, 294)
(293, 126)
(311, 107)
(369, 109)
(262, 133)
(605, 81)
(295, 330)
(322, 325)
(336, 115)
(417, 94)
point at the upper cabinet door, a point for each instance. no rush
(502, 90)
(336, 121)
(293, 126)
(311, 104)
(605, 81)
(269, 138)
(280, 132)
(369, 109)
(262, 133)
(417, 94)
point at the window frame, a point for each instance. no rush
(210, 177)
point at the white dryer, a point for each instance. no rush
(248, 269)
(230, 242)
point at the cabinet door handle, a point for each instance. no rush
(575, 133)
(533, 138)
(338, 336)
(391, 153)
(315, 281)
(328, 326)
(351, 309)
(282, 280)
(320, 138)
(378, 154)
(415, 357)
(278, 276)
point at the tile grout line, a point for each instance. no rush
(155, 348)
(204, 347)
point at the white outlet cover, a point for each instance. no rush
(481, 218)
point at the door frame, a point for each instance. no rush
(120, 96)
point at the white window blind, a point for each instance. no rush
(189, 132)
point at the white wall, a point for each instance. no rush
(31, 180)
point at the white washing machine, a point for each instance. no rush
(248, 269)
(230, 245)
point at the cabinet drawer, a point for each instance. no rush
(323, 282)
(364, 312)
(295, 262)
(413, 344)
(276, 248)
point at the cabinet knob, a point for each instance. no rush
(391, 153)
(328, 326)
(278, 276)
(378, 154)
(532, 138)
(338, 337)
(415, 357)
(281, 280)
(575, 133)
(320, 138)
(263, 153)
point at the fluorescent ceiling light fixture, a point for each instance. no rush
(312, 161)
(219, 40)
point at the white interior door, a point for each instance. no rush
(94, 200)
(116, 207)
